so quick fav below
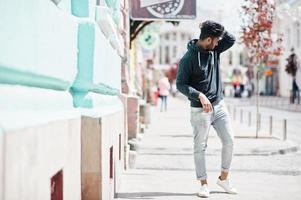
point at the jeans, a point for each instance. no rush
(163, 103)
(220, 120)
(296, 92)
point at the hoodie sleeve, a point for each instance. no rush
(225, 43)
(183, 76)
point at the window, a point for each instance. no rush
(160, 55)
(183, 36)
(166, 36)
(174, 36)
(111, 163)
(230, 58)
(288, 36)
(174, 52)
(297, 34)
(189, 37)
(56, 186)
(167, 57)
(120, 146)
(241, 59)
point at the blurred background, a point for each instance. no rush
(89, 108)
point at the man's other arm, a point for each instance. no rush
(225, 43)
(183, 76)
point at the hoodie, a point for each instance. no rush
(199, 71)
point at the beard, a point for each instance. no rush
(210, 47)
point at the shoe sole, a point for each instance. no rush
(202, 196)
(228, 192)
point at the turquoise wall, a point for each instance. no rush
(59, 48)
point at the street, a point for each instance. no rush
(82, 83)
(165, 170)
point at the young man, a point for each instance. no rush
(199, 79)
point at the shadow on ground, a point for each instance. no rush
(148, 195)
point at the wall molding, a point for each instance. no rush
(13, 76)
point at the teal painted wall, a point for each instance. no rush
(85, 64)
(33, 53)
(80, 8)
(9, 75)
(85, 80)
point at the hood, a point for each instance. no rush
(193, 48)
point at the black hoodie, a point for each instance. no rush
(199, 71)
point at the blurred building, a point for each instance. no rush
(173, 44)
(174, 39)
(287, 22)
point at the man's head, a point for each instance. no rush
(211, 33)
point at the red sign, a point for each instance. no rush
(163, 9)
(272, 62)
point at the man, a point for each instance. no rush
(199, 79)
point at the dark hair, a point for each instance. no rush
(211, 29)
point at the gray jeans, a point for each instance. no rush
(220, 120)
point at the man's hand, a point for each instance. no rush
(206, 103)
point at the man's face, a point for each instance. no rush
(211, 43)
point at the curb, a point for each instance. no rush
(293, 147)
(287, 150)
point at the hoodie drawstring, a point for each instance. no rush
(199, 56)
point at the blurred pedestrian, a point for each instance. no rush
(243, 84)
(155, 95)
(292, 68)
(198, 78)
(250, 88)
(164, 87)
(174, 90)
(296, 91)
(236, 83)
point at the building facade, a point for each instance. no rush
(287, 22)
(62, 121)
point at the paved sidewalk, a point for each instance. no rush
(165, 168)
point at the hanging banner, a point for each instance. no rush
(163, 9)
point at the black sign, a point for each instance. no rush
(163, 9)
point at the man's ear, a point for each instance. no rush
(208, 40)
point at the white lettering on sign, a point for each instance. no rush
(146, 3)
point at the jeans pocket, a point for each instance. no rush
(194, 114)
(198, 114)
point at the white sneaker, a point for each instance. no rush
(225, 184)
(204, 191)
